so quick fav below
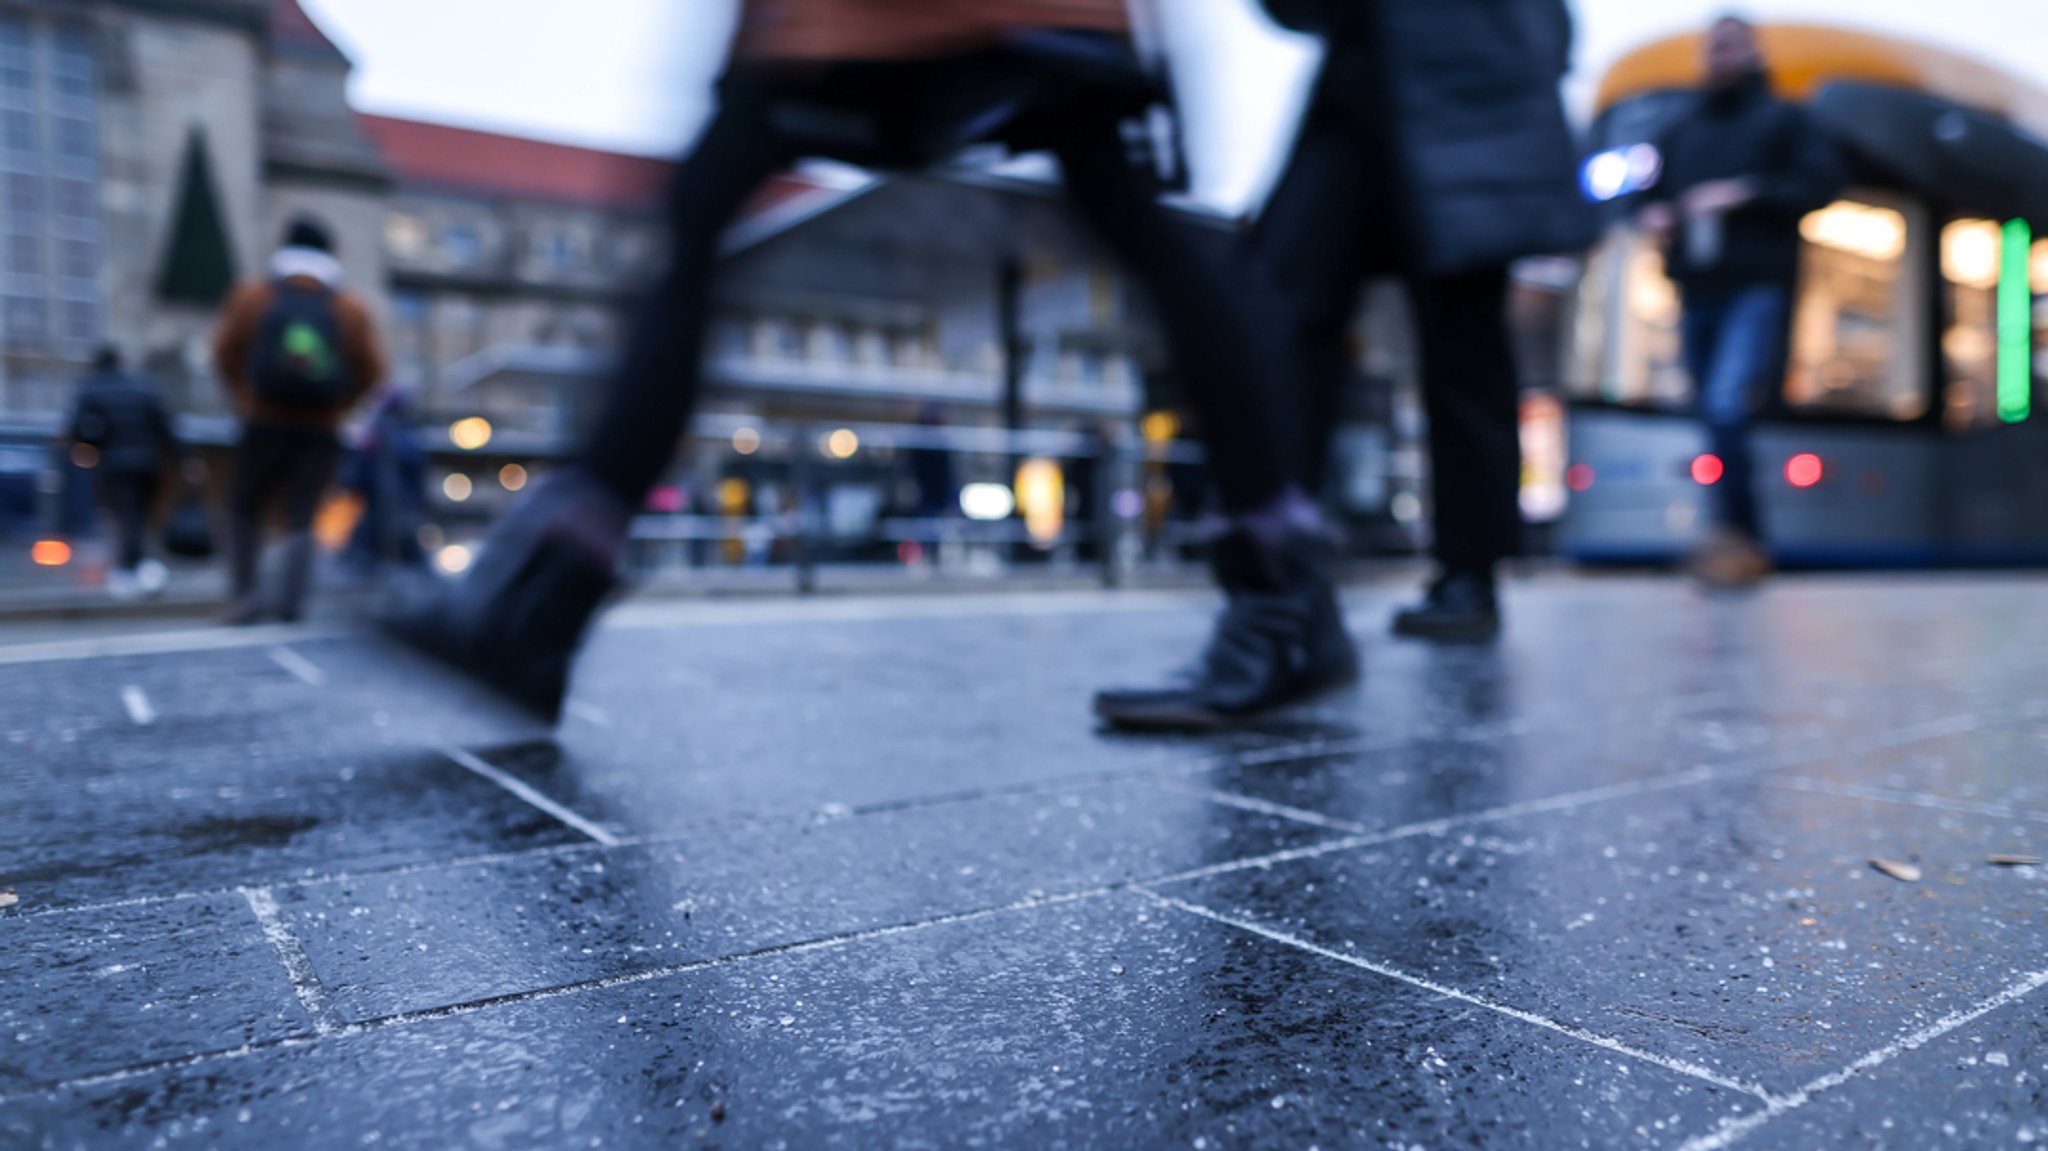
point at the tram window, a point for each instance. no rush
(2038, 273)
(1858, 316)
(1625, 344)
(1970, 254)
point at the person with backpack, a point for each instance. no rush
(121, 417)
(892, 84)
(296, 351)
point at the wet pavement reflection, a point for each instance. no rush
(864, 876)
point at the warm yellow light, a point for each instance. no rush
(471, 434)
(1971, 252)
(842, 444)
(1160, 427)
(512, 478)
(457, 487)
(2038, 264)
(84, 456)
(746, 441)
(50, 553)
(1042, 494)
(733, 494)
(1859, 229)
(453, 559)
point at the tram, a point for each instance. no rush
(1911, 427)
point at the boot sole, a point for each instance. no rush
(1198, 720)
(1447, 633)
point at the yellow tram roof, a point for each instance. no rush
(1802, 57)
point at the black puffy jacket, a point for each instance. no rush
(1745, 132)
(124, 418)
(1467, 94)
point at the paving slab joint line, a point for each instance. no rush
(346, 1030)
(1604, 1042)
(298, 666)
(532, 796)
(1734, 1130)
(298, 966)
(1897, 797)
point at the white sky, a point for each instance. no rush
(633, 74)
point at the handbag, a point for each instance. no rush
(189, 532)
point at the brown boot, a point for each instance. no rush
(1729, 560)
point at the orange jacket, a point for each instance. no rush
(234, 343)
(900, 29)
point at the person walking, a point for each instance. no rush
(122, 418)
(296, 350)
(1435, 147)
(1740, 170)
(894, 84)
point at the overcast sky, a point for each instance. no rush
(633, 74)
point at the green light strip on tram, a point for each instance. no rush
(2016, 325)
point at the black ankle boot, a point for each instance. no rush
(514, 620)
(1459, 607)
(1279, 641)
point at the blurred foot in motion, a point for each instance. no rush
(1729, 560)
(1279, 641)
(514, 620)
(1461, 606)
(151, 577)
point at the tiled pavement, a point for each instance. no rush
(862, 873)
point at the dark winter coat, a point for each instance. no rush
(1746, 132)
(1465, 96)
(124, 418)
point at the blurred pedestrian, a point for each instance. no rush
(388, 472)
(1434, 147)
(1740, 170)
(296, 350)
(121, 418)
(886, 83)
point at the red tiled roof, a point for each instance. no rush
(291, 27)
(464, 161)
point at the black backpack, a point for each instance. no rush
(298, 357)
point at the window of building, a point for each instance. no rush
(51, 233)
(411, 352)
(462, 243)
(405, 236)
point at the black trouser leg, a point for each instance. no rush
(131, 496)
(1323, 232)
(654, 390)
(1469, 388)
(1220, 353)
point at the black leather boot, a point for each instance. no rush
(1280, 640)
(1459, 607)
(515, 619)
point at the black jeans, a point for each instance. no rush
(288, 467)
(760, 128)
(130, 496)
(1335, 220)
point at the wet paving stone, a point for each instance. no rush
(1998, 768)
(1108, 1023)
(1983, 1085)
(871, 885)
(219, 819)
(103, 990)
(423, 939)
(1735, 925)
